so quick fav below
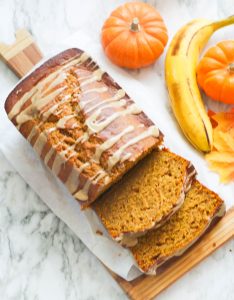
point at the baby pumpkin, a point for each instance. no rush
(215, 72)
(134, 35)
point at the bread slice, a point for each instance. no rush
(200, 207)
(81, 123)
(145, 197)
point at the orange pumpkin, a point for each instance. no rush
(134, 35)
(215, 72)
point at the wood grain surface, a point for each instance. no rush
(22, 55)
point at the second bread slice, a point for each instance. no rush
(146, 197)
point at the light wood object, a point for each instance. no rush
(21, 57)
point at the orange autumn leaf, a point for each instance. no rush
(221, 158)
(225, 120)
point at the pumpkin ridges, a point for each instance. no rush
(114, 45)
(227, 91)
(153, 18)
(207, 69)
(155, 50)
(219, 56)
(132, 13)
(158, 45)
(225, 46)
(143, 44)
(213, 86)
(223, 87)
(153, 25)
(213, 72)
(132, 49)
(120, 13)
(209, 64)
(104, 39)
(160, 35)
(224, 53)
(149, 39)
(114, 41)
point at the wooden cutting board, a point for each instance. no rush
(21, 57)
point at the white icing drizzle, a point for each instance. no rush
(40, 143)
(126, 157)
(83, 104)
(95, 127)
(49, 154)
(37, 104)
(82, 194)
(45, 114)
(62, 122)
(96, 75)
(120, 94)
(36, 93)
(115, 158)
(96, 90)
(55, 80)
(42, 97)
(50, 130)
(72, 181)
(110, 142)
(57, 163)
(32, 134)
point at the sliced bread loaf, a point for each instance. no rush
(200, 207)
(146, 196)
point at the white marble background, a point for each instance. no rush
(40, 258)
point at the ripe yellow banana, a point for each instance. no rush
(181, 62)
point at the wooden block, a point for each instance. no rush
(22, 55)
(147, 287)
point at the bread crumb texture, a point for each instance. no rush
(181, 230)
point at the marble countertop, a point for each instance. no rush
(40, 257)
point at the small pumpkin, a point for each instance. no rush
(134, 35)
(215, 72)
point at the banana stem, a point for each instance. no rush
(224, 22)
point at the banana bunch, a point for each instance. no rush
(181, 62)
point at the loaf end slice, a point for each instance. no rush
(201, 208)
(146, 197)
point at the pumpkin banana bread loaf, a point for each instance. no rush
(82, 124)
(145, 197)
(201, 208)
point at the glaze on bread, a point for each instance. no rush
(85, 128)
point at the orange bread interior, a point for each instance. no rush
(145, 197)
(184, 228)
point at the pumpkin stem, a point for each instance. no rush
(135, 26)
(231, 68)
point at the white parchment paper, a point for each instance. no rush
(154, 101)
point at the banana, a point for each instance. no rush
(180, 73)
